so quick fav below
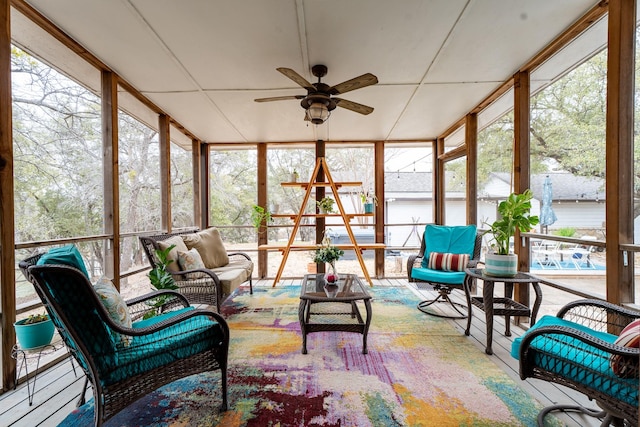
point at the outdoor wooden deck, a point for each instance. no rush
(58, 389)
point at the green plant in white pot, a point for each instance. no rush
(514, 214)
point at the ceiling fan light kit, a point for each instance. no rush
(318, 102)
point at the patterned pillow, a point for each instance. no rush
(115, 305)
(629, 337)
(448, 262)
(191, 260)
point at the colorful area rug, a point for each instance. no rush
(419, 371)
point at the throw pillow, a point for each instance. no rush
(191, 260)
(447, 261)
(115, 305)
(209, 243)
(66, 255)
(629, 337)
(173, 254)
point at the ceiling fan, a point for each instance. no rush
(319, 100)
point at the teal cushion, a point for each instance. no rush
(577, 361)
(179, 341)
(159, 318)
(438, 276)
(457, 239)
(66, 255)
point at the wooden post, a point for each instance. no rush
(263, 237)
(438, 182)
(379, 209)
(111, 208)
(471, 141)
(204, 186)
(195, 166)
(165, 172)
(521, 162)
(619, 150)
(320, 193)
(7, 226)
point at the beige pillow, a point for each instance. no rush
(209, 244)
(173, 254)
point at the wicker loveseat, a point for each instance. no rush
(579, 348)
(208, 285)
(125, 363)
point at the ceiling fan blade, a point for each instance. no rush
(279, 98)
(353, 106)
(353, 84)
(296, 78)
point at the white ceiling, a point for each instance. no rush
(205, 61)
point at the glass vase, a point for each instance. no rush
(331, 276)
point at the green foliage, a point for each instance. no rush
(326, 204)
(159, 276)
(514, 214)
(260, 215)
(565, 232)
(36, 318)
(327, 254)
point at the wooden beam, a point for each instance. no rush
(619, 150)
(263, 238)
(471, 142)
(7, 225)
(522, 168)
(111, 208)
(321, 151)
(197, 194)
(378, 158)
(165, 172)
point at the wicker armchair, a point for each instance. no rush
(124, 364)
(216, 285)
(577, 349)
(439, 238)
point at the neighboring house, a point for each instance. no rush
(578, 202)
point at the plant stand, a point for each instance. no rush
(321, 165)
(23, 356)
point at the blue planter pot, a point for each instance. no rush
(501, 265)
(368, 208)
(34, 335)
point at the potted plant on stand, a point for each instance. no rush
(514, 214)
(369, 200)
(260, 215)
(326, 205)
(34, 331)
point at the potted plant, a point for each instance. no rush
(161, 278)
(326, 205)
(514, 214)
(328, 254)
(34, 331)
(369, 200)
(294, 176)
(260, 215)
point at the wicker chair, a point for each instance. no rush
(209, 290)
(576, 349)
(444, 282)
(125, 364)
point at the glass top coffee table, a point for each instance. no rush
(333, 308)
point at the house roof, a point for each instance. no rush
(203, 62)
(565, 186)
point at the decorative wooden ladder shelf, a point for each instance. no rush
(334, 186)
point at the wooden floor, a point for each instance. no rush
(57, 389)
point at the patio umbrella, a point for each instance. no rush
(547, 215)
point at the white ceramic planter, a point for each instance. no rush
(501, 265)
